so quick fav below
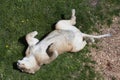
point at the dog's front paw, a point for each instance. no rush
(30, 37)
(35, 33)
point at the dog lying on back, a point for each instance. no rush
(65, 38)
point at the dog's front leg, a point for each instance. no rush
(27, 53)
(52, 57)
(30, 38)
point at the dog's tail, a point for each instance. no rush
(99, 36)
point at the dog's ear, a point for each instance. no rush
(30, 38)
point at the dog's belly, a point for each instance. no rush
(61, 47)
(60, 40)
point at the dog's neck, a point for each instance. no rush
(30, 60)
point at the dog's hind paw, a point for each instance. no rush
(73, 12)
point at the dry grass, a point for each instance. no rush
(107, 55)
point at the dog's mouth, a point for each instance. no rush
(21, 66)
(23, 69)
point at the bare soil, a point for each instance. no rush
(107, 55)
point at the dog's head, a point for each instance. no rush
(28, 65)
(33, 60)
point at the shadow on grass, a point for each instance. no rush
(23, 41)
(15, 66)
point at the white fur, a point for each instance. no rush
(66, 38)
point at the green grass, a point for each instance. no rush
(18, 17)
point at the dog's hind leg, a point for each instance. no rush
(79, 46)
(67, 24)
(73, 17)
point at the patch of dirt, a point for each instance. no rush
(107, 55)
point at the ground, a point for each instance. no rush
(107, 55)
(19, 17)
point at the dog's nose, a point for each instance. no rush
(18, 63)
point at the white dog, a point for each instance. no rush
(66, 38)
